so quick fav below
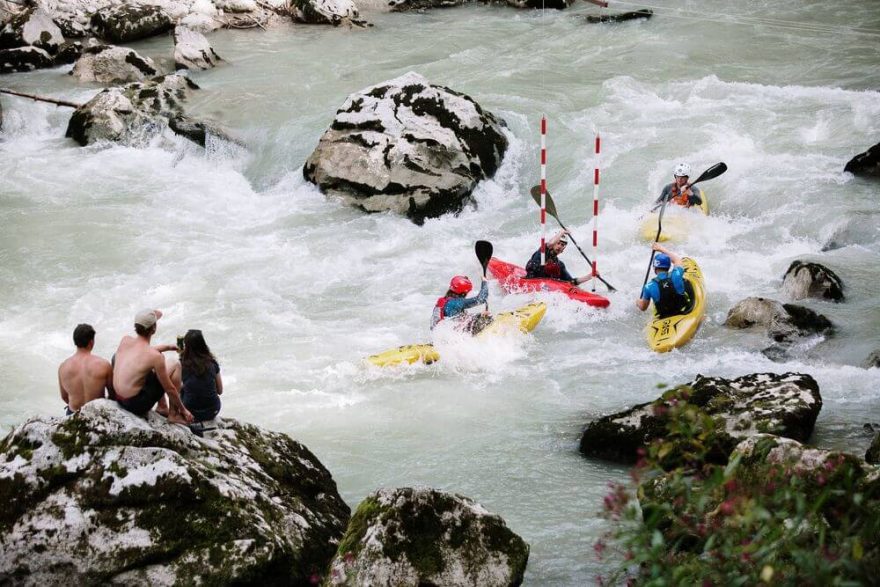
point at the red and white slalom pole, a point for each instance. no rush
(596, 214)
(543, 189)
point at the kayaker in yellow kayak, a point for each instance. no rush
(553, 268)
(667, 289)
(678, 192)
(454, 304)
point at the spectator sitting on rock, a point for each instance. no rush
(83, 376)
(199, 374)
(139, 374)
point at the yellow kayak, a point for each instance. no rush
(665, 334)
(676, 222)
(523, 319)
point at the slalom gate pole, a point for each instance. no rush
(596, 214)
(543, 189)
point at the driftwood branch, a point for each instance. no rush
(41, 99)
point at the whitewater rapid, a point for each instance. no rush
(292, 289)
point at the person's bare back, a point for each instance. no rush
(83, 376)
(135, 359)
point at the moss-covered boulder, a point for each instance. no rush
(409, 147)
(786, 405)
(332, 12)
(812, 280)
(31, 27)
(420, 536)
(127, 22)
(107, 497)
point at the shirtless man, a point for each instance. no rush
(140, 378)
(83, 376)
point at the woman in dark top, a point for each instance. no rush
(200, 376)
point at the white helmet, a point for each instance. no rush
(682, 170)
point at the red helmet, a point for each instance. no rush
(460, 285)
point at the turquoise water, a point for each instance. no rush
(293, 289)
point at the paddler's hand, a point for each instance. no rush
(659, 248)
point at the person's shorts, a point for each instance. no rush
(147, 397)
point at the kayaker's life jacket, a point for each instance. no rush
(441, 306)
(678, 197)
(671, 302)
(552, 268)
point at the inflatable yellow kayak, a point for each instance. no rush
(523, 319)
(665, 334)
(676, 222)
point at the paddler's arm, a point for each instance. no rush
(480, 298)
(556, 238)
(676, 260)
(696, 197)
(645, 298)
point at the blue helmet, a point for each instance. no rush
(662, 261)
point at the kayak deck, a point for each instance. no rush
(512, 279)
(524, 319)
(676, 226)
(665, 334)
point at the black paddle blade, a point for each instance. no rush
(711, 173)
(484, 253)
(551, 207)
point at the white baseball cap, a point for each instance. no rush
(147, 318)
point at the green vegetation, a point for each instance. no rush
(779, 514)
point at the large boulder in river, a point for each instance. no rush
(33, 27)
(109, 64)
(407, 146)
(106, 497)
(784, 322)
(785, 405)
(192, 50)
(132, 114)
(420, 536)
(24, 59)
(872, 360)
(126, 22)
(540, 4)
(867, 163)
(334, 12)
(812, 280)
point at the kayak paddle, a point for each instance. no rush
(484, 249)
(710, 173)
(550, 206)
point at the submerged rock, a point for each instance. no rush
(200, 132)
(132, 114)
(24, 59)
(872, 360)
(621, 17)
(107, 497)
(412, 537)
(867, 163)
(784, 405)
(541, 4)
(407, 5)
(334, 12)
(873, 453)
(31, 27)
(123, 23)
(109, 64)
(784, 322)
(192, 50)
(812, 280)
(407, 146)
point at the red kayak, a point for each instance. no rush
(513, 279)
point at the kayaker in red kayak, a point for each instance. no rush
(553, 268)
(454, 304)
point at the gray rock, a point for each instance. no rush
(200, 132)
(812, 280)
(108, 64)
(24, 59)
(621, 17)
(236, 6)
(784, 322)
(192, 51)
(873, 453)
(411, 537)
(408, 147)
(106, 497)
(420, 5)
(873, 360)
(784, 405)
(123, 23)
(132, 114)
(31, 27)
(334, 12)
(68, 53)
(866, 164)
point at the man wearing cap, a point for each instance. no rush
(552, 268)
(140, 378)
(667, 289)
(83, 376)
